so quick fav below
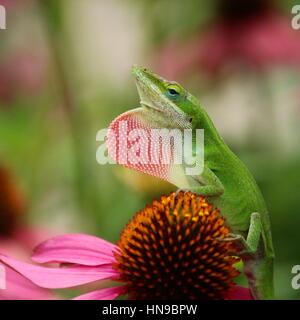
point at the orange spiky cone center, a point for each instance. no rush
(174, 250)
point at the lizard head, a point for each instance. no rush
(165, 101)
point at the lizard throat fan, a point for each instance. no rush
(132, 151)
(131, 143)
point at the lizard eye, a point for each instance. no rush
(173, 91)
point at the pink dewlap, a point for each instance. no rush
(129, 144)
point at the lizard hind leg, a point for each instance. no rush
(250, 244)
(258, 267)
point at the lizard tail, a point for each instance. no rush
(259, 272)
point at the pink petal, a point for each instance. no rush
(103, 294)
(55, 278)
(20, 288)
(75, 248)
(239, 293)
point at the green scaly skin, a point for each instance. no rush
(225, 179)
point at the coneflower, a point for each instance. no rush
(252, 33)
(172, 249)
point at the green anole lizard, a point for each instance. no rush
(224, 179)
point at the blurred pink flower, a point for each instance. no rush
(260, 37)
(12, 4)
(21, 74)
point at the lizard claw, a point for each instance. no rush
(185, 191)
(242, 248)
(231, 237)
(180, 190)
